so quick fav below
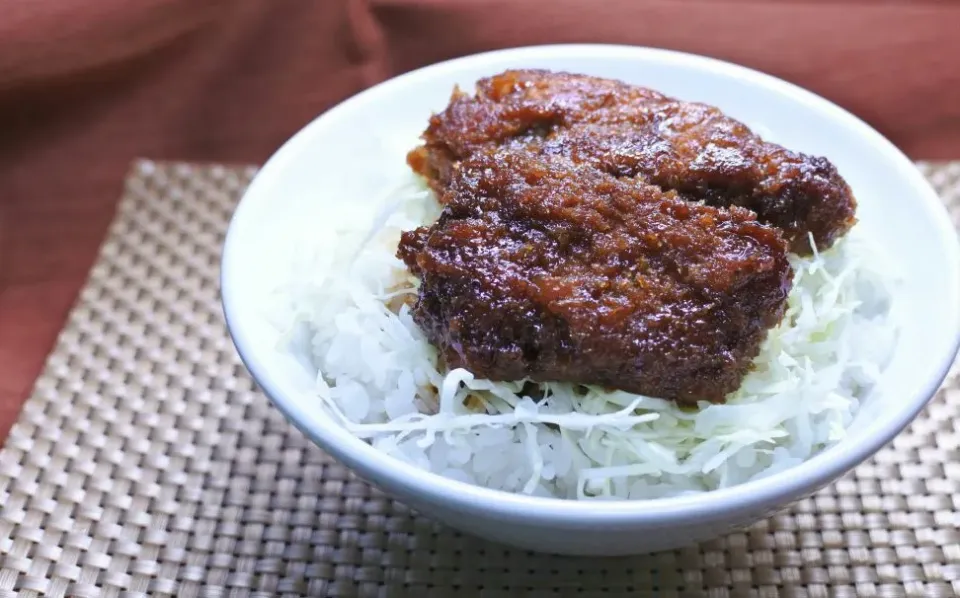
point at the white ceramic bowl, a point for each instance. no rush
(346, 155)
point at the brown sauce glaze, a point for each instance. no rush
(546, 268)
(640, 135)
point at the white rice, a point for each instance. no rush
(378, 376)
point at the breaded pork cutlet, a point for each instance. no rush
(638, 134)
(547, 269)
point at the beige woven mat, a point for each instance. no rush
(145, 463)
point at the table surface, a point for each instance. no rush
(146, 463)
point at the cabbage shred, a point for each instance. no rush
(347, 308)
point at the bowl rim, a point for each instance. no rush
(815, 472)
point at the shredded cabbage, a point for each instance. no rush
(380, 379)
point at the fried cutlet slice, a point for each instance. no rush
(637, 133)
(544, 269)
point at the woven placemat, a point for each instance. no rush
(146, 464)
